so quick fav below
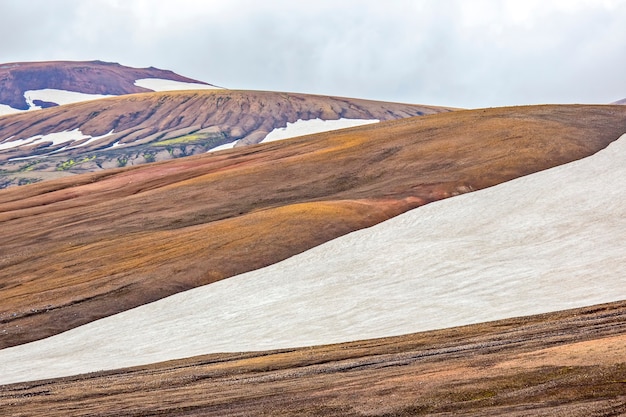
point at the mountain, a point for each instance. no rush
(534, 219)
(121, 238)
(482, 252)
(350, 272)
(569, 363)
(134, 129)
(29, 85)
(622, 101)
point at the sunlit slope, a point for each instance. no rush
(102, 243)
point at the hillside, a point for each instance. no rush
(27, 85)
(105, 242)
(569, 363)
(539, 243)
(139, 128)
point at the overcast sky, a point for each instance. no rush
(464, 53)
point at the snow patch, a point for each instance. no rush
(5, 109)
(158, 84)
(55, 138)
(544, 242)
(59, 97)
(308, 127)
(304, 127)
(228, 145)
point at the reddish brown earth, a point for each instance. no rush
(80, 248)
(90, 77)
(570, 363)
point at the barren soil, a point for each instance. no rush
(81, 248)
(569, 363)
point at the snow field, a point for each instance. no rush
(544, 242)
(304, 127)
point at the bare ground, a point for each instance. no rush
(84, 247)
(570, 363)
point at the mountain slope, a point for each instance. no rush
(569, 363)
(102, 243)
(140, 128)
(21, 83)
(535, 244)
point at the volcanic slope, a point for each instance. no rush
(139, 128)
(27, 85)
(569, 363)
(81, 248)
(544, 242)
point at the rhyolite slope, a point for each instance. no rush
(101, 243)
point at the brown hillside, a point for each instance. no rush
(84, 247)
(163, 115)
(91, 77)
(569, 363)
(159, 126)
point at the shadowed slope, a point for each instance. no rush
(569, 363)
(102, 243)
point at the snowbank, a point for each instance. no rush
(307, 127)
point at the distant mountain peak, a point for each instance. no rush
(19, 80)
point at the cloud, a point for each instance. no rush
(451, 52)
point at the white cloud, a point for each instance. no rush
(450, 52)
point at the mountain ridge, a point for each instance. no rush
(88, 77)
(148, 127)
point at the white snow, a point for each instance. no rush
(62, 97)
(306, 127)
(5, 109)
(56, 139)
(228, 145)
(51, 95)
(158, 84)
(58, 96)
(93, 139)
(548, 241)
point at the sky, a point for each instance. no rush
(460, 53)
